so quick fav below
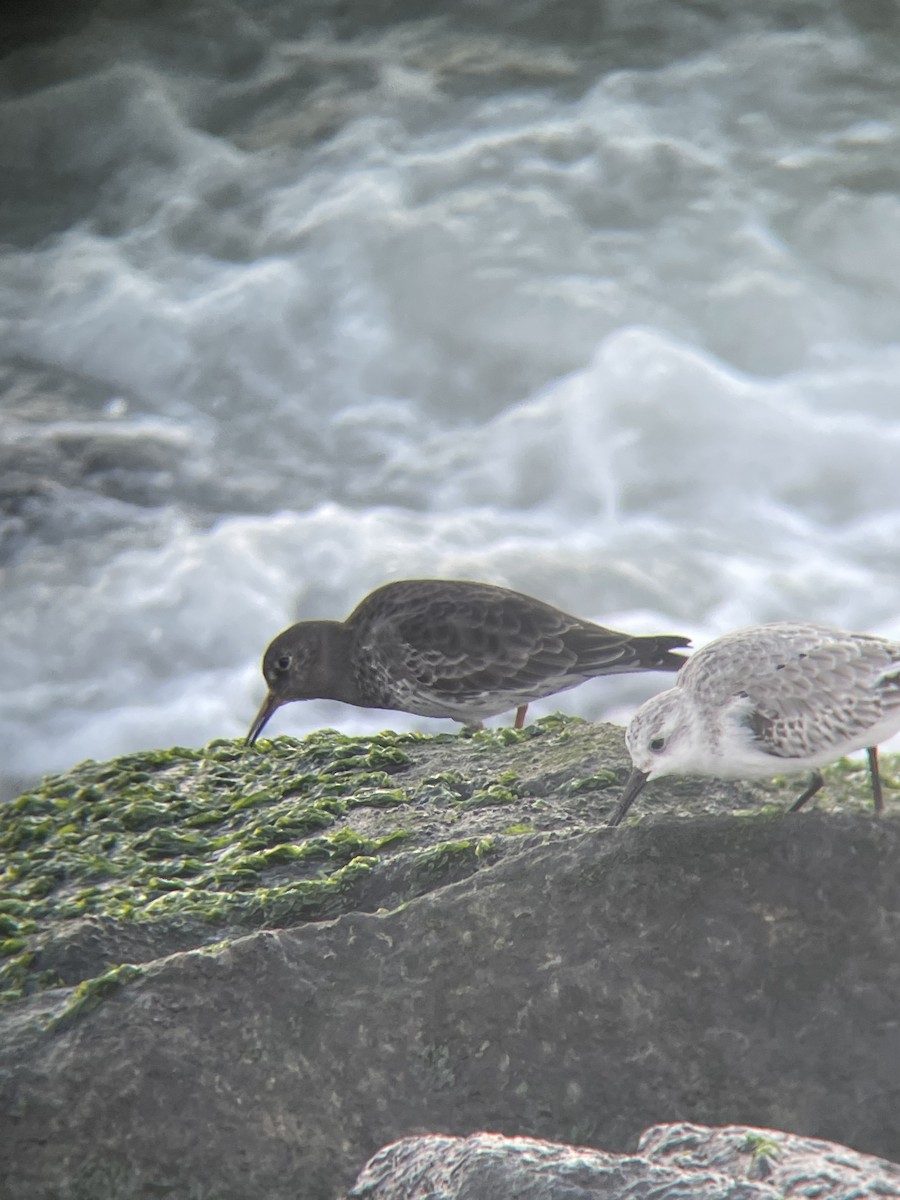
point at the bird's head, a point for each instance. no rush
(295, 667)
(658, 736)
(659, 741)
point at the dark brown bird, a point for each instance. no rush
(450, 648)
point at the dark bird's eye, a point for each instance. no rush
(283, 663)
(657, 743)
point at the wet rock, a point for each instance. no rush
(240, 974)
(734, 1163)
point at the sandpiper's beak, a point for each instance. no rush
(269, 705)
(636, 781)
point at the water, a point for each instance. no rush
(602, 307)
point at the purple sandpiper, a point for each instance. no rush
(450, 648)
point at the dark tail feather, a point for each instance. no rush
(599, 651)
(654, 653)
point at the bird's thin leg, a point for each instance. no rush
(520, 716)
(815, 783)
(877, 796)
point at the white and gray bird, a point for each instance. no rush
(769, 700)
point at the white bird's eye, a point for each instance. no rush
(283, 663)
(657, 743)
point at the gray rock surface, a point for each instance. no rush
(717, 969)
(181, 849)
(734, 1163)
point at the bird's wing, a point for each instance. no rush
(799, 688)
(468, 638)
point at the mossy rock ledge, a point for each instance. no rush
(231, 973)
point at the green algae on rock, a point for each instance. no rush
(185, 845)
(92, 992)
(123, 862)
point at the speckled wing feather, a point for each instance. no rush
(486, 649)
(808, 686)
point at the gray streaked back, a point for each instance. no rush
(809, 685)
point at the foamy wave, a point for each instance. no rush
(286, 315)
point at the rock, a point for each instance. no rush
(169, 850)
(234, 974)
(734, 1163)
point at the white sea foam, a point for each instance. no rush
(289, 316)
